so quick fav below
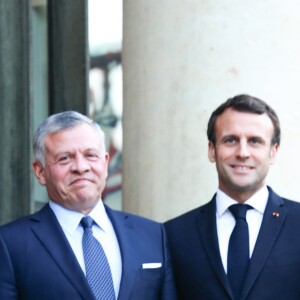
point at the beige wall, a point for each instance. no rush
(183, 58)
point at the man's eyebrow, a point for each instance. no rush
(259, 138)
(229, 136)
(233, 136)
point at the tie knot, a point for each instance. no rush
(86, 222)
(239, 211)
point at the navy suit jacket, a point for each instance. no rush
(274, 269)
(37, 262)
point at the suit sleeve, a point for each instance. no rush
(168, 290)
(8, 290)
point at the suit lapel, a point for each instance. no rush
(127, 239)
(206, 224)
(48, 231)
(268, 234)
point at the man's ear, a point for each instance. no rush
(211, 152)
(107, 157)
(273, 153)
(39, 173)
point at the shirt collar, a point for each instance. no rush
(70, 220)
(258, 201)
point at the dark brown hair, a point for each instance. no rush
(244, 103)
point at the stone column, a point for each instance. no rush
(68, 55)
(181, 59)
(15, 110)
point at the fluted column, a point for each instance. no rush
(68, 55)
(14, 110)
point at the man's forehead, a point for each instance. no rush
(250, 124)
(233, 117)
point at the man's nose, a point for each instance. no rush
(80, 164)
(243, 149)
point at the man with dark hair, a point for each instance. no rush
(244, 243)
(76, 247)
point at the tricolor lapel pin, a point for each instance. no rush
(275, 214)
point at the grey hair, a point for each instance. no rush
(58, 122)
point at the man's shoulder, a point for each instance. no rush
(131, 218)
(292, 205)
(191, 215)
(21, 224)
(282, 201)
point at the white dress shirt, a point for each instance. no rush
(103, 231)
(226, 221)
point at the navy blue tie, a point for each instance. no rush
(238, 249)
(98, 272)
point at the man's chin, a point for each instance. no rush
(244, 187)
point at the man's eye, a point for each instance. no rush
(64, 159)
(255, 141)
(230, 141)
(92, 155)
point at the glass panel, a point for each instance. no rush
(105, 81)
(39, 85)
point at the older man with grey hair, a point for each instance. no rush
(76, 247)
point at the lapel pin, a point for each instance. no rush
(275, 214)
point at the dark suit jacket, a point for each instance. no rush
(37, 262)
(274, 270)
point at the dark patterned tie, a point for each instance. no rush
(98, 272)
(238, 249)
